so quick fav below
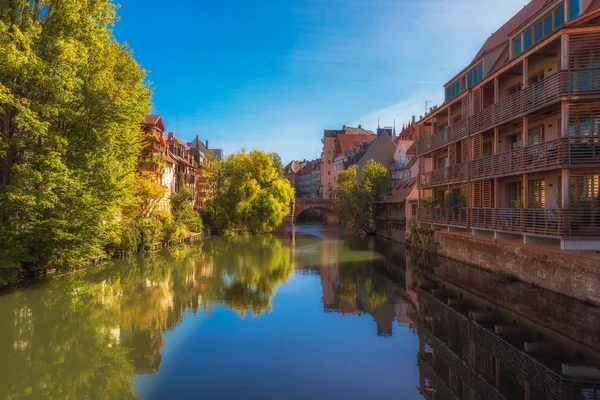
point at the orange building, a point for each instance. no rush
(352, 140)
(514, 150)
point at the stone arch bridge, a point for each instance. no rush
(326, 206)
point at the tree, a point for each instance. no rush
(252, 195)
(355, 202)
(183, 210)
(277, 163)
(72, 100)
(375, 180)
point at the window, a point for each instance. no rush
(528, 38)
(537, 194)
(442, 162)
(513, 190)
(574, 13)
(514, 142)
(453, 91)
(518, 47)
(559, 16)
(548, 25)
(539, 31)
(536, 135)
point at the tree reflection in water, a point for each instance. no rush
(87, 334)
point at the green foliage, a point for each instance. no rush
(183, 210)
(150, 231)
(352, 204)
(517, 203)
(355, 203)
(455, 201)
(249, 194)
(277, 164)
(375, 180)
(429, 202)
(72, 100)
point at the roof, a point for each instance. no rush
(294, 166)
(155, 120)
(344, 143)
(348, 130)
(177, 140)
(407, 145)
(501, 36)
(197, 144)
(412, 150)
(402, 191)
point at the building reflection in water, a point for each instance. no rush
(483, 335)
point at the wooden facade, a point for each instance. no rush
(522, 143)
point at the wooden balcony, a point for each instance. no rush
(536, 96)
(539, 221)
(560, 153)
(447, 135)
(442, 176)
(443, 216)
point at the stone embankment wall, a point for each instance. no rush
(568, 273)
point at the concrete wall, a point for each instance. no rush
(567, 273)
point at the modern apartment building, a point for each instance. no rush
(514, 150)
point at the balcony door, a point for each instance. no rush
(537, 193)
(513, 195)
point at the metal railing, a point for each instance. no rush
(562, 152)
(452, 174)
(447, 135)
(443, 216)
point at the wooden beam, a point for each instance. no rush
(564, 177)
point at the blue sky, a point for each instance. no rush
(272, 74)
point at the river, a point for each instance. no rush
(307, 313)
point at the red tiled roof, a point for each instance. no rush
(344, 143)
(347, 130)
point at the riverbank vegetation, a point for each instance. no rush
(72, 105)
(356, 195)
(72, 100)
(249, 194)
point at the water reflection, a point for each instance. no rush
(308, 313)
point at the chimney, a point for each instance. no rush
(207, 143)
(343, 127)
(413, 119)
(359, 126)
(170, 136)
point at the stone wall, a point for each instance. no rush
(561, 272)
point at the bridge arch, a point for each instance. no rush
(326, 206)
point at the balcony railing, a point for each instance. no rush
(443, 216)
(563, 152)
(539, 221)
(441, 176)
(540, 94)
(444, 137)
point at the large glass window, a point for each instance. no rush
(518, 46)
(539, 32)
(575, 10)
(528, 38)
(559, 16)
(548, 25)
